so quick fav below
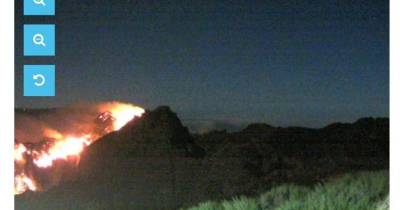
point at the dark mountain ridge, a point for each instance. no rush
(155, 163)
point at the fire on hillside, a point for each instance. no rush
(59, 146)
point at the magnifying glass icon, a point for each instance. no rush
(38, 39)
(41, 2)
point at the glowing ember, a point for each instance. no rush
(19, 150)
(123, 113)
(67, 147)
(51, 133)
(23, 183)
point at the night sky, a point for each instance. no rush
(304, 63)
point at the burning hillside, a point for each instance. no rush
(155, 163)
(65, 143)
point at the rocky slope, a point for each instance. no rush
(155, 163)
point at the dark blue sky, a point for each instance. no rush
(282, 62)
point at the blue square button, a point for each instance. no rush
(39, 80)
(39, 40)
(39, 7)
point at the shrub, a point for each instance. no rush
(242, 203)
(208, 206)
(383, 205)
(361, 191)
(356, 192)
(282, 194)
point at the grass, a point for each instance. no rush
(360, 191)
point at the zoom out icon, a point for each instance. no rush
(39, 40)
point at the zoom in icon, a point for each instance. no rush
(39, 7)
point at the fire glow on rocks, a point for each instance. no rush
(66, 147)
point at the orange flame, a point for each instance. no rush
(63, 149)
(51, 133)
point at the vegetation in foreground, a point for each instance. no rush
(360, 191)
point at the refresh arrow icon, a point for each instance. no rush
(39, 79)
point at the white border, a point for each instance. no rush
(7, 105)
(394, 104)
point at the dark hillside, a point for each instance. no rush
(155, 163)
